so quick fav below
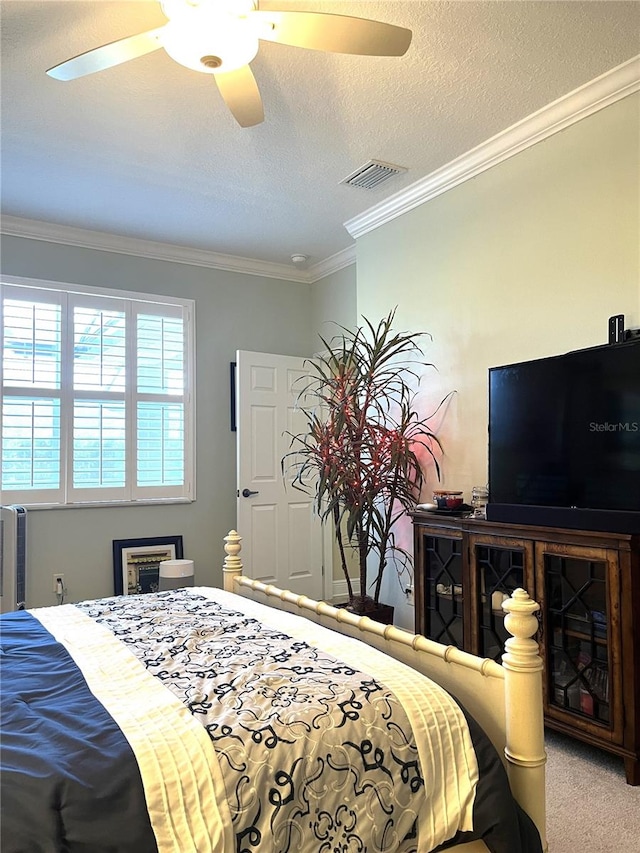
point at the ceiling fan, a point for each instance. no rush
(221, 37)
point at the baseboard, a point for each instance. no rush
(340, 591)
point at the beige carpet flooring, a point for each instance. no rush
(590, 808)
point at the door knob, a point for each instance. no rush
(246, 493)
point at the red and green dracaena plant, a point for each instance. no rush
(358, 455)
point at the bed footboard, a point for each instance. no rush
(505, 699)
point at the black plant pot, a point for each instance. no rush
(380, 612)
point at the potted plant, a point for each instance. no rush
(358, 455)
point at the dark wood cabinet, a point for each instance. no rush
(588, 587)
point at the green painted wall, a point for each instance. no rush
(233, 311)
(528, 259)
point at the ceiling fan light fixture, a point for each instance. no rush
(182, 9)
(221, 37)
(205, 32)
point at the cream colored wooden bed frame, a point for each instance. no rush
(505, 699)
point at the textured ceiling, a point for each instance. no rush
(148, 149)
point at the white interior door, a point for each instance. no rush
(281, 534)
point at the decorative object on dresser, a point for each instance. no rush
(588, 586)
(359, 451)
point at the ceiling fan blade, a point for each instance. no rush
(108, 55)
(333, 33)
(240, 93)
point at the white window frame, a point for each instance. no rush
(132, 302)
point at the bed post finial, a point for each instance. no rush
(232, 566)
(523, 666)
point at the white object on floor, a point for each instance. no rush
(174, 574)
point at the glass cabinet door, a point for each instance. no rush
(580, 592)
(498, 567)
(443, 593)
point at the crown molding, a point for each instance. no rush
(86, 239)
(336, 262)
(605, 90)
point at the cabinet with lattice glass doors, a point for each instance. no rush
(579, 590)
(440, 611)
(498, 566)
(461, 583)
(588, 587)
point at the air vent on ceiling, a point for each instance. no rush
(372, 174)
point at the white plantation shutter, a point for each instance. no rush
(97, 395)
(31, 450)
(32, 330)
(98, 361)
(160, 401)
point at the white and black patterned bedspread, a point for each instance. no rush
(311, 752)
(309, 747)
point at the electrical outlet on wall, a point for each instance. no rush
(58, 583)
(408, 591)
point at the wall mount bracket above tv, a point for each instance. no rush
(616, 328)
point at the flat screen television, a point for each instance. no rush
(564, 440)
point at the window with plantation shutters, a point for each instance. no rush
(97, 391)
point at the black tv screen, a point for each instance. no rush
(564, 432)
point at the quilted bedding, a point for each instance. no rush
(196, 720)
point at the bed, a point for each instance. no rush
(225, 721)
